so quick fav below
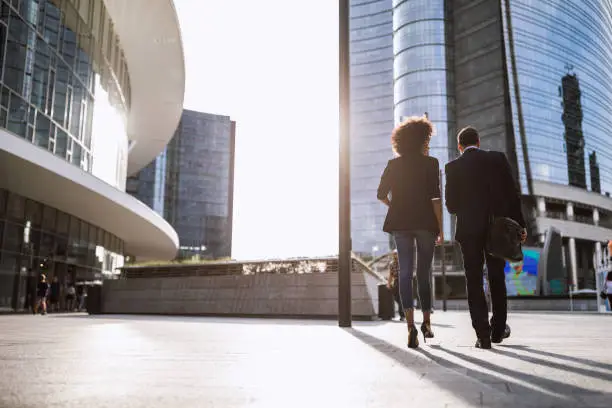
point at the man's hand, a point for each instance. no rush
(523, 236)
(440, 239)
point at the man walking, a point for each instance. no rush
(480, 184)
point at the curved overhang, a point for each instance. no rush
(150, 36)
(35, 173)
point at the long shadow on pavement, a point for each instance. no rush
(547, 363)
(562, 389)
(579, 360)
(516, 393)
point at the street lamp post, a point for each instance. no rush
(344, 247)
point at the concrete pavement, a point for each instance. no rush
(552, 360)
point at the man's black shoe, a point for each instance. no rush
(483, 343)
(498, 338)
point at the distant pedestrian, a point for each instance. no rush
(83, 298)
(414, 217)
(42, 291)
(55, 294)
(70, 297)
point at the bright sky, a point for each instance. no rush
(272, 65)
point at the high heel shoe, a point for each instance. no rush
(426, 330)
(413, 337)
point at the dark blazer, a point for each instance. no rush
(413, 182)
(480, 184)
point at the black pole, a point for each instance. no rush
(443, 247)
(344, 247)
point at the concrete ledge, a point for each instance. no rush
(261, 294)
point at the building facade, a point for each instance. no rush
(371, 90)
(534, 80)
(191, 184)
(75, 79)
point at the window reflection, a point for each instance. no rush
(70, 251)
(47, 57)
(562, 57)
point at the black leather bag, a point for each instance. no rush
(504, 239)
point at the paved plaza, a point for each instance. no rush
(552, 360)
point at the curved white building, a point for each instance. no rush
(91, 91)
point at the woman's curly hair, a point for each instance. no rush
(412, 136)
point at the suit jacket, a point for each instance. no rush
(480, 184)
(413, 181)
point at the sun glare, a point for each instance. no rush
(278, 79)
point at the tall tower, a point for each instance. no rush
(572, 121)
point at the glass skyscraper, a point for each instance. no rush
(191, 184)
(371, 58)
(535, 78)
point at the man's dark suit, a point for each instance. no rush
(480, 184)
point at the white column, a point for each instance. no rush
(597, 262)
(573, 263)
(598, 254)
(541, 207)
(570, 211)
(596, 219)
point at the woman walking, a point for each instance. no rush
(414, 217)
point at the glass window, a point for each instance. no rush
(43, 130)
(83, 247)
(6, 96)
(100, 237)
(18, 116)
(48, 219)
(62, 80)
(77, 99)
(50, 24)
(70, 27)
(84, 232)
(74, 227)
(3, 194)
(15, 207)
(13, 237)
(47, 245)
(61, 246)
(91, 245)
(3, 35)
(40, 75)
(107, 241)
(33, 212)
(8, 268)
(16, 49)
(62, 223)
(61, 143)
(77, 154)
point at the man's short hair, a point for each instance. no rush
(468, 136)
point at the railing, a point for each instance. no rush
(225, 268)
(582, 219)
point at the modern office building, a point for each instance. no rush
(87, 97)
(191, 184)
(535, 80)
(371, 90)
